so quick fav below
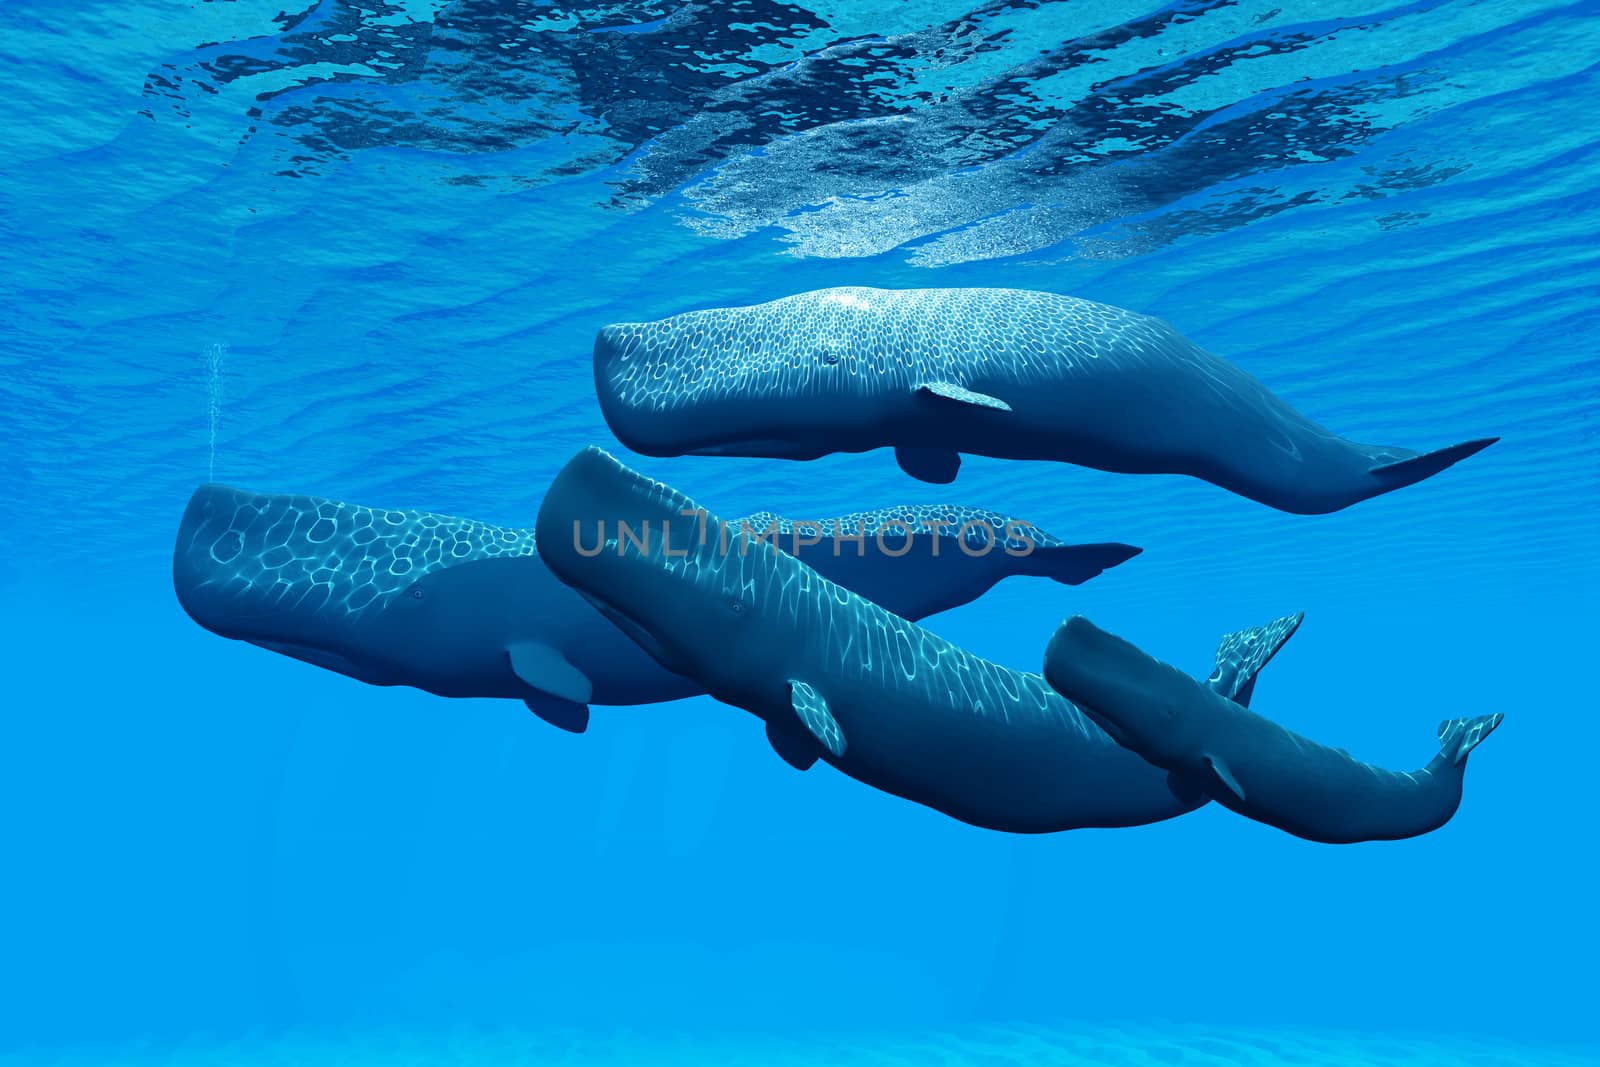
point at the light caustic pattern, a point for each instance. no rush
(862, 341)
(335, 555)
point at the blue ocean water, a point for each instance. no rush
(361, 251)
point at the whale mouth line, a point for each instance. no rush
(312, 654)
(757, 448)
(636, 631)
(1111, 729)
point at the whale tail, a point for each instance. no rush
(1397, 474)
(1457, 737)
(1241, 655)
(1075, 564)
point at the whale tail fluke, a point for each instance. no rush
(1457, 737)
(1403, 472)
(1075, 564)
(1241, 655)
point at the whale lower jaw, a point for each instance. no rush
(1109, 728)
(317, 657)
(635, 631)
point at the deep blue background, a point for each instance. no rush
(201, 838)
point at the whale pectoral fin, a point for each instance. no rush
(1225, 776)
(936, 465)
(813, 711)
(547, 670)
(562, 714)
(792, 744)
(963, 395)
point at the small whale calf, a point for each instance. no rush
(920, 560)
(465, 609)
(838, 678)
(1008, 373)
(1246, 762)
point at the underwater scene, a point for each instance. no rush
(786, 533)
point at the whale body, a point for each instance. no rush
(1246, 762)
(1008, 373)
(838, 678)
(462, 608)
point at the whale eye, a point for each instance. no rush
(830, 357)
(736, 606)
(416, 594)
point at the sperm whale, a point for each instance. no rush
(1008, 373)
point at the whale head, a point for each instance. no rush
(655, 564)
(786, 379)
(1145, 705)
(345, 587)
